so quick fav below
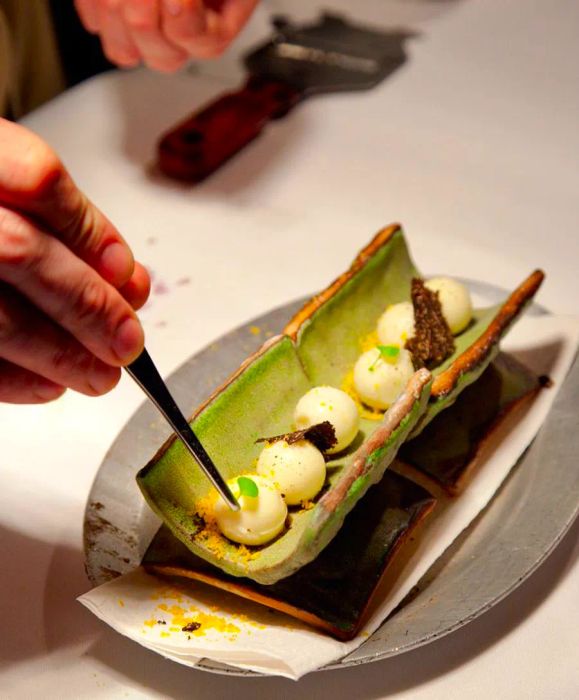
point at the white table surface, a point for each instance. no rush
(473, 145)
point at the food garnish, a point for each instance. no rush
(247, 487)
(322, 435)
(432, 342)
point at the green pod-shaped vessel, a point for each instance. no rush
(318, 347)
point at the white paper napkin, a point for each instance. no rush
(243, 634)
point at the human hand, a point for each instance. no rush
(164, 34)
(68, 281)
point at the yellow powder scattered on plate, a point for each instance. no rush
(181, 617)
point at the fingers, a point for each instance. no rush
(183, 22)
(18, 385)
(68, 291)
(117, 42)
(143, 21)
(88, 13)
(234, 15)
(48, 352)
(68, 281)
(191, 27)
(33, 180)
(205, 29)
(136, 290)
(164, 33)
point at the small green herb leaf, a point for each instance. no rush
(389, 352)
(247, 487)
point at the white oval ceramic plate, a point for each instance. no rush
(524, 522)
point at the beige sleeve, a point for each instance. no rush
(30, 69)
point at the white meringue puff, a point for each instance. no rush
(379, 381)
(455, 301)
(298, 470)
(328, 403)
(259, 519)
(396, 325)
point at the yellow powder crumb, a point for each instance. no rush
(255, 330)
(211, 537)
(205, 507)
(369, 341)
(180, 618)
(218, 545)
(121, 603)
(200, 622)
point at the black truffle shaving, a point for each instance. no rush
(432, 341)
(321, 435)
(191, 627)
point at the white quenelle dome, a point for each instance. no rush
(379, 381)
(328, 403)
(298, 470)
(455, 301)
(258, 520)
(396, 325)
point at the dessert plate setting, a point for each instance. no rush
(528, 515)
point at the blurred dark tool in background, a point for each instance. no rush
(328, 56)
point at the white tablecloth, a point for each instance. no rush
(472, 145)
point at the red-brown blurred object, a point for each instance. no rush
(200, 144)
(328, 56)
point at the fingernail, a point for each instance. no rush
(47, 390)
(129, 340)
(116, 263)
(174, 7)
(103, 378)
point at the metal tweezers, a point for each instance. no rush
(144, 372)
